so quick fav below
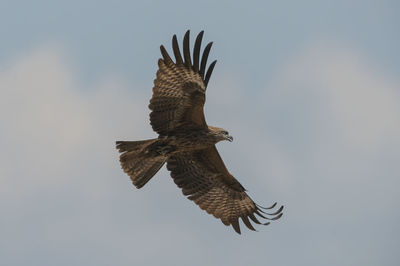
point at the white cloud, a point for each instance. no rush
(325, 138)
(360, 102)
(54, 129)
(48, 117)
(38, 103)
(339, 125)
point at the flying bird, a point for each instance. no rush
(187, 144)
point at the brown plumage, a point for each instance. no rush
(187, 144)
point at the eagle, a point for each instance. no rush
(187, 144)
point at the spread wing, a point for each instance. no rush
(203, 177)
(179, 88)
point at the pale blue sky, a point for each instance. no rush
(310, 90)
(112, 36)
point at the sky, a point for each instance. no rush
(309, 90)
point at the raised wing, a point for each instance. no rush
(179, 89)
(203, 177)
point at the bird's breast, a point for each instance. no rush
(193, 140)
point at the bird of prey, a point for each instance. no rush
(187, 144)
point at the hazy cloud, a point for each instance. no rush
(322, 139)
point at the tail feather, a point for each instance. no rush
(137, 162)
(123, 146)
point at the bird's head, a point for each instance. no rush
(220, 133)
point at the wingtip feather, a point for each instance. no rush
(196, 51)
(235, 225)
(204, 59)
(177, 52)
(209, 72)
(186, 49)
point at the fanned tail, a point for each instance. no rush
(138, 162)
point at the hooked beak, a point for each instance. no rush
(230, 138)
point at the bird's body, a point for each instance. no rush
(186, 143)
(193, 140)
